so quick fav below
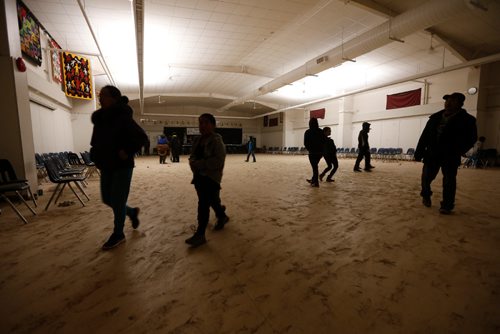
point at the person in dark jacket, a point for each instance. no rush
(330, 155)
(448, 135)
(314, 142)
(116, 138)
(175, 147)
(364, 149)
(207, 164)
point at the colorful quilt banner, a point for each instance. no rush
(77, 80)
(55, 57)
(29, 32)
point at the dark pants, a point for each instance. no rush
(208, 196)
(331, 161)
(449, 170)
(175, 157)
(251, 153)
(363, 153)
(163, 158)
(314, 159)
(115, 186)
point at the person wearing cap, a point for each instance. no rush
(448, 135)
(364, 149)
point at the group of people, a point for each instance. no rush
(319, 145)
(447, 136)
(165, 148)
(116, 138)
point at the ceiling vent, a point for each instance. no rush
(321, 59)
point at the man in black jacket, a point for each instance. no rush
(314, 141)
(448, 135)
(364, 149)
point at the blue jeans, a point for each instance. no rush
(115, 186)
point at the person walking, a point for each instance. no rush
(116, 138)
(448, 135)
(330, 155)
(364, 149)
(251, 148)
(162, 147)
(207, 164)
(314, 141)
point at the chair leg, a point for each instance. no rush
(60, 193)
(81, 189)
(53, 195)
(15, 209)
(74, 192)
(25, 203)
(32, 197)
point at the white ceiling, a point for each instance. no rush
(208, 53)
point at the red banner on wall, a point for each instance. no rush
(318, 113)
(404, 99)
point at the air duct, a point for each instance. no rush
(427, 15)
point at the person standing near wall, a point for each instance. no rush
(330, 155)
(116, 138)
(175, 146)
(251, 148)
(207, 163)
(147, 146)
(448, 135)
(314, 141)
(364, 149)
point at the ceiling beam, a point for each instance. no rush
(373, 7)
(89, 25)
(416, 19)
(138, 10)
(243, 69)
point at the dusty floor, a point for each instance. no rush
(360, 255)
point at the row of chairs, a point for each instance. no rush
(350, 152)
(65, 169)
(285, 150)
(62, 169)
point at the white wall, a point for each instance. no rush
(389, 128)
(82, 131)
(52, 129)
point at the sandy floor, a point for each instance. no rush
(360, 255)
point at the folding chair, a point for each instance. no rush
(62, 181)
(10, 183)
(91, 168)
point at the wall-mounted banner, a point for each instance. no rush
(29, 32)
(77, 80)
(273, 121)
(404, 99)
(318, 113)
(55, 57)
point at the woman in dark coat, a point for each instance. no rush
(116, 138)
